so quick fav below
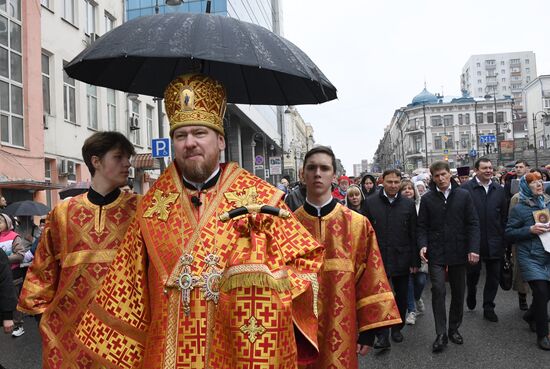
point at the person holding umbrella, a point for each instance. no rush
(160, 303)
(79, 241)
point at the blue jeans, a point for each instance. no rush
(417, 281)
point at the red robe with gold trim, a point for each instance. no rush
(139, 320)
(76, 248)
(354, 293)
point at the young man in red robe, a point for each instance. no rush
(354, 294)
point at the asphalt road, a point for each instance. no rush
(502, 345)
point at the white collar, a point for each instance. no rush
(319, 207)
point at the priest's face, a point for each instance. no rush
(319, 175)
(112, 169)
(197, 151)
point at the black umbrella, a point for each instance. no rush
(256, 66)
(74, 189)
(26, 208)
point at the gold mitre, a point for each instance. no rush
(195, 100)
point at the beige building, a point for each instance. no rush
(503, 74)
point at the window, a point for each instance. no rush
(437, 143)
(526, 61)
(502, 62)
(47, 169)
(91, 100)
(465, 141)
(418, 144)
(90, 16)
(460, 119)
(134, 114)
(479, 81)
(480, 89)
(503, 71)
(514, 61)
(478, 65)
(45, 3)
(149, 125)
(436, 121)
(68, 11)
(109, 22)
(528, 79)
(11, 74)
(111, 109)
(46, 83)
(479, 118)
(69, 99)
(490, 118)
(479, 73)
(448, 120)
(504, 80)
(489, 62)
(467, 118)
(546, 103)
(450, 144)
(503, 88)
(527, 70)
(501, 117)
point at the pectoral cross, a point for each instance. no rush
(186, 282)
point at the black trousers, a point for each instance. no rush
(400, 285)
(492, 267)
(457, 281)
(538, 310)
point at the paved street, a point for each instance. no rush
(506, 344)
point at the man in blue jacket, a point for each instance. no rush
(448, 237)
(490, 202)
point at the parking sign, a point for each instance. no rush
(160, 147)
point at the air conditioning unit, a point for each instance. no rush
(132, 172)
(134, 123)
(71, 167)
(62, 168)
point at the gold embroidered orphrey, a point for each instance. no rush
(249, 197)
(161, 205)
(252, 329)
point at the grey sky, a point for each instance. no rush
(379, 53)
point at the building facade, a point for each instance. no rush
(536, 96)
(503, 74)
(458, 130)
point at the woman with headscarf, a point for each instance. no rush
(529, 219)
(368, 185)
(354, 199)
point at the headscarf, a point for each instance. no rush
(9, 222)
(525, 193)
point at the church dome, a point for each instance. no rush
(425, 97)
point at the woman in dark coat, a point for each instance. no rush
(8, 299)
(533, 259)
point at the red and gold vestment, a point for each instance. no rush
(157, 309)
(354, 293)
(76, 248)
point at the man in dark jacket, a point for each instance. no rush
(394, 220)
(490, 202)
(448, 237)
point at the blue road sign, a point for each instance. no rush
(446, 151)
(161, 147)
(487, 139)
(473, 153)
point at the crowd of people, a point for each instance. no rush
(209, 265)
(462, 220)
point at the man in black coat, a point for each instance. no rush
(448, 237)
(490, 202)
(393, 218)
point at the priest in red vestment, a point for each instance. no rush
(355, 296)
(79, 242)
(190, 288)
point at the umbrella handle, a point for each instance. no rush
(254, 208)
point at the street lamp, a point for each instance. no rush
(546, 122)
(496, 123)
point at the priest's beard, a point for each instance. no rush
(197, 172)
